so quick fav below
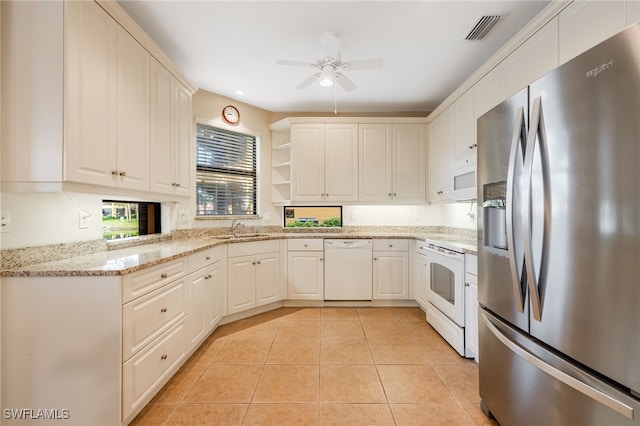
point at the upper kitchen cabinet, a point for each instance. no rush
(324, 162)
(583, 24)
(172, 149)
(441, 136)
(85, 117)
(464, 127)
(533, 59)
(106, 101)
(392, 162)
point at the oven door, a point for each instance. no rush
(445, 285)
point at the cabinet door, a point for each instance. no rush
(198, 292)
(305, 275)
(534, 58)
(90, 94)
(471, 314)
(184, 158)
(465, 127)
(439, 156)
(390, 275)
(489, 91)
(409, 161)
(133, 113)
(267, 278)
(162, 129)
(341, 162)
(421, 279)
(375, 165)
(216, 298)
(307, 162)
(583, 24)
(241, 288)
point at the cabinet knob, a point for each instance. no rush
(207, 258)
(390, 245)
(375, 258)
(178, 185)
(320, 259)
(470, 146)
(163, 275)
(114, 172)
(163, 357)
(123, 174)
(163, 310)
(395, 195)
(253, 263)
(466, 284)
(306, 245)
(390, 194)
(258, 262)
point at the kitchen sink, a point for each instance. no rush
(241, 236)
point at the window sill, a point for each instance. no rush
(229, 217)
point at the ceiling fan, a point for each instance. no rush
(330, 66)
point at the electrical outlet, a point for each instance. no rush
(353, 216)
(83, 219)
(267, 216)
(184, 215)
(5, 221)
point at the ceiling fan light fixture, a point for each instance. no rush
(326, 81)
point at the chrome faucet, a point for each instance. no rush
(234, 226)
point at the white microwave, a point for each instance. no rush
(463, 179)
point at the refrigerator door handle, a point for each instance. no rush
(561, 376)
(519, 136)
(536, 134)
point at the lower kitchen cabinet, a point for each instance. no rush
(390, 269)
(420, 274)
(206, 290)
(253, 275)
(305, 269)
(471, 304)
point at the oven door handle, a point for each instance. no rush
(457, 256)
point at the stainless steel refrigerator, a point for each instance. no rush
(559, 244)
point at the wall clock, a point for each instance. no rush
(231, 114)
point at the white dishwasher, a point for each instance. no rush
(348, 269)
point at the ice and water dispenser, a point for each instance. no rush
(494, 207)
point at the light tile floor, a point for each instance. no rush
(322, 366)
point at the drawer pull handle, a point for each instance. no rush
(163, 310)
(306, 245)
(207, 258)
(163, 357)
(163, 275)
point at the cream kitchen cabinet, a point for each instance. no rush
(392, 162)
(324, 162)
(390, 269)
(107, 101)
(464, 127)
(254, 277)
(583, 24)
(471, 304)
(206, 290)
(420, 274)
(305, 269)
(489, 91)
(440, 154)
(85, 117)
(172, 150)
(533, 59)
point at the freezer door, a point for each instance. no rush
(501, 146)
(523, 384)
(583, 245)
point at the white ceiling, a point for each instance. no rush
(224, 46)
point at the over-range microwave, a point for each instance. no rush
(463, 179)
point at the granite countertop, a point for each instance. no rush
(130, 259)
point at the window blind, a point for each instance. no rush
(226, 177)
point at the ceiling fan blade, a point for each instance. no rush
(344, 82)
(308, 82)
(296, 63)
(331, 46)
(363, 64)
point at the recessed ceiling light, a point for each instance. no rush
(239, 92)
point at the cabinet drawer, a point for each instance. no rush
(471, 264)
(305, 244)
(251, 248)
(390, 245)
(145, 373)
(146, 317)
(142, 282)
(204, 258)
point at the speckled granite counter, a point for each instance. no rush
(130, 259)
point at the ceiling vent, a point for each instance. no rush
(482, 27)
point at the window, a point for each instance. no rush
(313, 216)
(124, 219)
(226, 177)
